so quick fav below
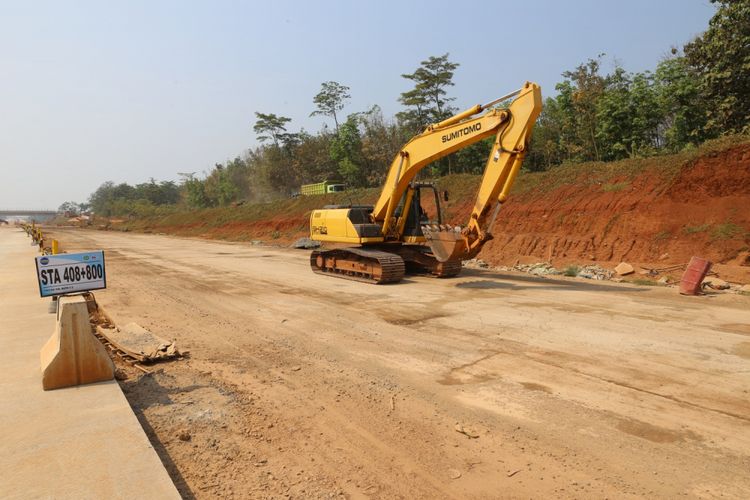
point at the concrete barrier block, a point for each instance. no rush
(73, 356)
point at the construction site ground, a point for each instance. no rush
(488, 385)
(77, 442)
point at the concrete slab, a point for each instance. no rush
(78, 442)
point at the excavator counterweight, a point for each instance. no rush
(396, 235)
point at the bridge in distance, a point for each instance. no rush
(28, 214)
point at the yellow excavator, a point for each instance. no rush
(396, 234)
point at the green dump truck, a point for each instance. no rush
(321, 188)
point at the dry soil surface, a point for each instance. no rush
(489, 385)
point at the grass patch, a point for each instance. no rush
(662, 235)
(727, 231)
(613, 188)
(571, 271)
(644, 282)
(701, 228)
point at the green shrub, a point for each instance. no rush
(571, 271)
(726, 231)
(662, 235)
(696, 229)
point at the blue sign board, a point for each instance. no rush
(70, 273)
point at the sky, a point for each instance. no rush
(123, 91)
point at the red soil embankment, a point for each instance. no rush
(704, 210)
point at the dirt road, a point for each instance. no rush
(490, 385)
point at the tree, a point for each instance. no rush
(585, 88)
(629, 116)
(427, 101)
(472, 159)
(647, 115)
(162, 193)
(683, 109)
(101, 199)
(271, 127)
(415, 116)
(218, 187)
(194, 190)
(70, 207)
(381, 141)
(721, 56)
(312, 160)
(330, 100)
(546, 149)
(346, 151)
(428, 95)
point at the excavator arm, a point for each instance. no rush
(512, 130)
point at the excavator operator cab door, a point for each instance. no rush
(424, 209)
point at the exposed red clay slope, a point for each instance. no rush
(705, 211)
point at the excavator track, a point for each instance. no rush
(358, 264)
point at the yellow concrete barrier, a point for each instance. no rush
(73, 356)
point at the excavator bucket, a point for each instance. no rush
(446, 242)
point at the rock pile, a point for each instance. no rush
(537, 269)
(305, 243)
(475, 264)
(595, 272)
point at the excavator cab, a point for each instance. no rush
(422, 210)
(424, 222)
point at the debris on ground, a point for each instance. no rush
(656, 271)
(454, 473)
(139, 343)
(538, 269)
(595, 272)
(715, 283)
(468, 433)
(475, 264)
(623, 269)
(306, 243)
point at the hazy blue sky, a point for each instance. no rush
(123, 91)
